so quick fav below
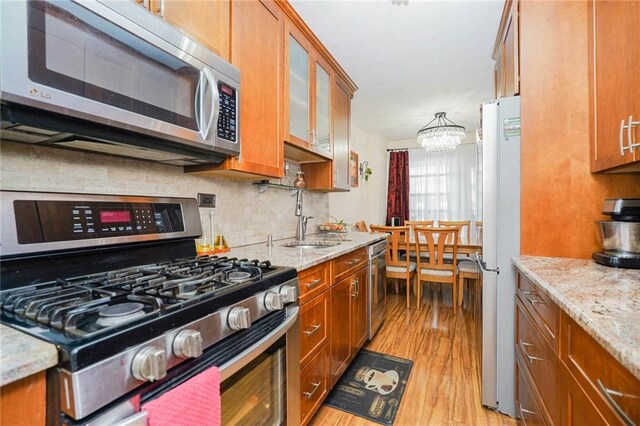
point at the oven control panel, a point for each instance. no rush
(227, 119)
(51, 221)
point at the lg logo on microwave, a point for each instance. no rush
(36, 93)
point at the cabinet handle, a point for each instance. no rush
(532, 301)
(630, 127)
(523, 346)
(609, 394)
(524, 411)
(356, 288)
(309, 395)
(353, 262)
(621, 137)
(314, 328)
(313, 283)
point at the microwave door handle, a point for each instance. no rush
(215, 97)
(198, 103)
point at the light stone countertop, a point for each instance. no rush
(605, 301)
(303, 258)
(22, 355)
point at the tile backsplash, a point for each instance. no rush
(247, 216)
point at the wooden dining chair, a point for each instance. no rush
(479, 231)
(467, 270)
(398, 268)
(413, 224)
(361, 226)
(464, 227)
(435, 269)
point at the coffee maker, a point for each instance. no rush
(620, 236)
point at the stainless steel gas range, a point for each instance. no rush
(114, 282)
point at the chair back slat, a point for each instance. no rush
(462, 225)
(436, 238)
(396, 243)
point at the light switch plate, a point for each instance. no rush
(206, 200)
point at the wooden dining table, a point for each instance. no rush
(467, 247)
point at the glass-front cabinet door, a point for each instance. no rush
(299, 91)
(321, 133)
(310, 80)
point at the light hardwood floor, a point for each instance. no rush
(444, 385)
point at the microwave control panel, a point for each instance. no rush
(227, 127)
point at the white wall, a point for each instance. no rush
(247, 215)
(368, 201)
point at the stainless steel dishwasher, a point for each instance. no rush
(377, 286)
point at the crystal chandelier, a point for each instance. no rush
(443, 135)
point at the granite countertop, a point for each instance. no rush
(605, 301)
(22, 355)
(303, 258)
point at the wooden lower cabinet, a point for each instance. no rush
(340, 338)
(563, 376)
(577, 409)
(333, 325)
(539, 363)
(314, 385)
(314, 327)
(24, 402)
(527, 406)
(359, 310)
(614, 392)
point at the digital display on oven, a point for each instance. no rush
(115, 216)
(51, 221)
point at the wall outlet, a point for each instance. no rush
(206, 200)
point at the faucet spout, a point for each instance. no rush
(301, 229)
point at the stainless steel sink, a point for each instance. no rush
(311, 244)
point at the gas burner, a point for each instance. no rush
(120, 313)
(238, 276)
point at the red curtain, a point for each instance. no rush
(398, 188)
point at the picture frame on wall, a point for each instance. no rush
(353, 169)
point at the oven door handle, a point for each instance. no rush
(231, 367)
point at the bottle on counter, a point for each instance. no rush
(220, 243)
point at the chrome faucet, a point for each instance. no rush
(301, 229)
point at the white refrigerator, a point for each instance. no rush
(500, 242)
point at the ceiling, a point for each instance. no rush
(410, 61)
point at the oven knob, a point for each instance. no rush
(188, 344)
(290, 293)
(239, 318)
(273, 301)
(149, 364)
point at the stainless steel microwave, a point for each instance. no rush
(109, 76)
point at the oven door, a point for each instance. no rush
(255, 381)
(111, 63)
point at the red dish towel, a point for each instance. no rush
(196, 402)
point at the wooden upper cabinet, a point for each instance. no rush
(506, 53)
(615, 83)
(206, 21)
(257, 50)
(334, 175)
(308, 86)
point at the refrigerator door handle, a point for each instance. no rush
(483, 266)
